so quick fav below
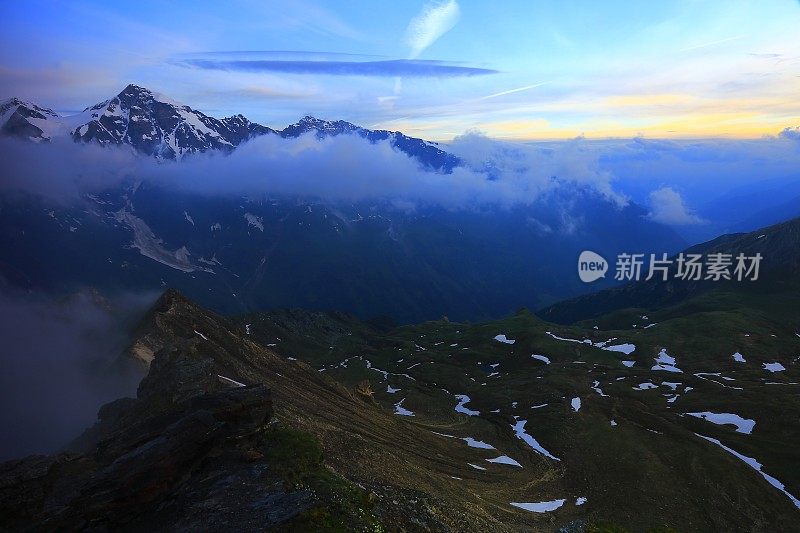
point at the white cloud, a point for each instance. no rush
(532, 167)
(495, 173)
(667, 207)
(433, 21)
(792, 134)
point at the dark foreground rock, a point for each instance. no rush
(195, 450)
(201, 447)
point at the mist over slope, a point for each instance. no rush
(59, 365)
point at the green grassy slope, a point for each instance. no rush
(649, 470)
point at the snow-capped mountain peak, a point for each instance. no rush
(149, 122)
(159, 126)
(428, 153)
(156, 125)
(321, 127)
(27, 120)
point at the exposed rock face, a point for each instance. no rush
(188, 453)
(141, 456)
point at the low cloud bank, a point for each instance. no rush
(58, 366)
(700, 169)
(349, 168)
(341, 168)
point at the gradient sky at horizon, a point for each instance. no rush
(526, 70)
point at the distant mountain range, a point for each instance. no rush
(237, 254)
(155, 125)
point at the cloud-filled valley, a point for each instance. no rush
(673, 180)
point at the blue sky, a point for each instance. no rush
(528, 70)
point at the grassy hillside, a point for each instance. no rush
(630, 449)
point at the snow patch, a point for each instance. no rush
(665, 362)
(229, 381)
(505, 460)
(502, 338)
(463, 399)
(626, 348)
(400, 410)
(743, 425)
(556, 337)
(774, 367)
(755, 465)
(597, 389)
(519, 430)
(703, 376)
(540, 507)
(474, 443)
(576, 404)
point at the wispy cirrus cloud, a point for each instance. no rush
(512, 91)
(712, 43)
(433, 21)
(381, 68)
(312, 18)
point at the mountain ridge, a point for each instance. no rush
(778, 244)
(155, 125)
